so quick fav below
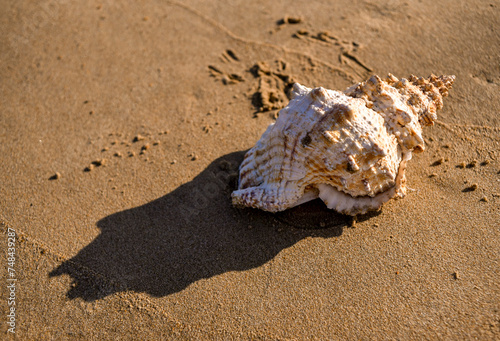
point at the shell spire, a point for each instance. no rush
(406, 104)
(435, 88)
(349, 148)
(443, 83)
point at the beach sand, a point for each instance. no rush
(121, 131)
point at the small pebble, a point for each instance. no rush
(293, 20)
(145, 147)
(105, 149)
(472, 164)
(88, 168)
(471, 188)
(485, 162)
(461, 164)
(438, 162)
(455, 275)
(433, 175)
(118, 154)
(289, 20)
(56, 176)
(484, 199)
(99, 162)
(353, 222)
(173, 162)
(138, 138)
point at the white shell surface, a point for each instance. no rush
(349, 149)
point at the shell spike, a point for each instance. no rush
(391, 79)
(443, 83)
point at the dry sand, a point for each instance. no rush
(121, 130)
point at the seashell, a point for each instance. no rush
(348, 148)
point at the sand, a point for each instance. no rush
(122, 128)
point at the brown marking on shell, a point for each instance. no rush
(341, 114)
(306, 140)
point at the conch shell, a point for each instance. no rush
(348, 148)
